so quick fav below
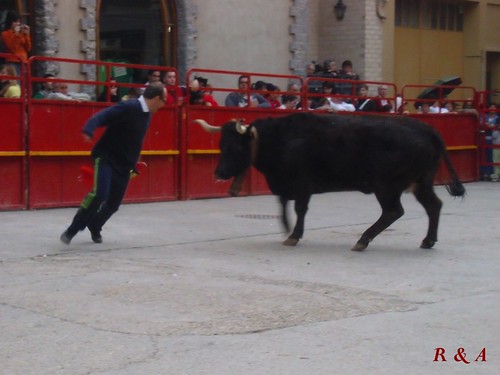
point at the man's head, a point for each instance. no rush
(243, 82)
(155, 96)
(61, 87)
(48, 85)
(154, 75)
(382, 91)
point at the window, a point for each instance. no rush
(429, 14)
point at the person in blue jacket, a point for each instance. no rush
(115, 156)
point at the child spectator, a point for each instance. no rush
(9, 88)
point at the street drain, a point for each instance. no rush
(258, 216)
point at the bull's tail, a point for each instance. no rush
(454, 187)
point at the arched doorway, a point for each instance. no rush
(138, 32)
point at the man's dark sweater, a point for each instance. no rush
(126, 126)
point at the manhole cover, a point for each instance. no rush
(258, 216)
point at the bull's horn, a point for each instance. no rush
(207, 127)
(240, 128)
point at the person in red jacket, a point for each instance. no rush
(17, 40)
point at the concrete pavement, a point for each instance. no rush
(205, 287)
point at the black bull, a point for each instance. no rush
(304, 154)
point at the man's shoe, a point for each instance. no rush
(66, 237)
(96, 237)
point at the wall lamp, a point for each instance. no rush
(339, 10)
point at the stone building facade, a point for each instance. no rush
(271, 36)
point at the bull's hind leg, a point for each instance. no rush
(391, 211)
(426, 196)
(301, 206)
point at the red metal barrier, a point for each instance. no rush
(460, 133)
(13, 147)
(57, 150)
(200, 151)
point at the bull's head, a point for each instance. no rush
(236, 154)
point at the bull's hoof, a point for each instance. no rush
(291, 241)
(427, 244)
(359, 246)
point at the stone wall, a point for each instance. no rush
(46, 26)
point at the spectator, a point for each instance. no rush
(175, 93)
(495, 141)
(425, 108)
(295, 89)
(401, 106)
(451, 107)
(346, 88)
(339, 105)
(364, 103)
(154, 75)
(288, 102)
(489, 121)
(110, 94)
(324, 102)
(240, 98)
(47, 87)
(17, 40)
(436, 108)
(313, 85)
(9, 88)
(382, 104)
(61, 93)
(272, 95)
(198, 94)
(330, 69)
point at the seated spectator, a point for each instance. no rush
(154, 75)
(363, 102)
(323, 103)
(47, 87)
(240, 98)
(110, 94)
(425, 108)
(436, 108)
(451, 107)
(9, 88)
(272, 95)
(61, 93)
(175, 93)
(339, 105)
(198, 93)
(383, 105)
(288, 102)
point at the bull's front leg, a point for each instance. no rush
(301, 206)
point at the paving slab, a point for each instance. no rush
(205, 287)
